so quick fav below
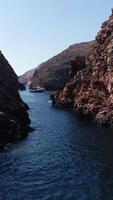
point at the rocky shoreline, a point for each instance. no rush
(14, 119)
(90, 89)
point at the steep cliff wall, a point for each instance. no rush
(90, 91)
(14, 119)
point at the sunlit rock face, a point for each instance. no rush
(14, 119)
(90, 91)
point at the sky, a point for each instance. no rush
(32, 31)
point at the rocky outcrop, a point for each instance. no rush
(90, 90)
(14, 119)
(54, 73)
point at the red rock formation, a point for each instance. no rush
(14, 119)
(90, 92)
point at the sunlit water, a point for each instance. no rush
(63, 159)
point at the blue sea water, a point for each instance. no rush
(63, 159)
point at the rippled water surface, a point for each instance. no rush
(63, 159)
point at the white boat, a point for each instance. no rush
(38, 89)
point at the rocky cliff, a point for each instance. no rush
(90, 90)
(54, 73)
(14, 119)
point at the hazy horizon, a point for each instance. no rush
(34, 31)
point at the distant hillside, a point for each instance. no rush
(27, 76)
(54, 73)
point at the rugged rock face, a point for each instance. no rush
(54, 73)
(90, 91)
(14, 119)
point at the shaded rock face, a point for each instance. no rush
(22, 86)
(14, 119)
(90, 91)
(54, 73)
